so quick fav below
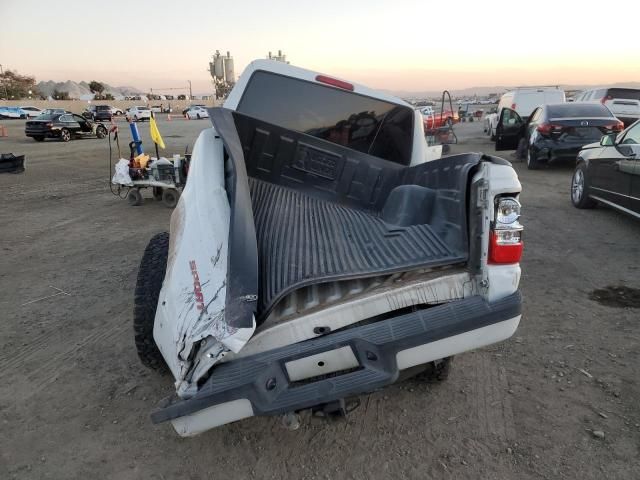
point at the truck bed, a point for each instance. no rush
(304, 240)
(325, 213)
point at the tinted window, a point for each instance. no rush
(361, 123)
(47, 116)
(632, 136)
(578, 110)
(66, 118)
(103, 108)
(630, 93)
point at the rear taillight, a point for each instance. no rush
(604, 99)
(513, 106)
(617, 127)
(548, 128)
(334, 82)
(505, 238)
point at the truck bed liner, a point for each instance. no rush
(323, 212)
(304, 240)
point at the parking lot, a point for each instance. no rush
(75, 401)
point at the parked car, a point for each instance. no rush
(184, 112)
(103, 113)
(161, 108)
(523, 100)
(608, 172)
(623, 102)
(433, 120)
(554, 132)
(64, 126)
(12, 112)
(32, 111)
(196, 112)
(332, 285)
(139, 114)
(115, 111)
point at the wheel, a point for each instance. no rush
(101, 132)
(198, 116)
(39, 138)
(148, 284)
(170, 197)
(135, 197)
(580, 188)
(157, 193)
(65, 135)
(436, 371)
(532, 163)
(135, 118)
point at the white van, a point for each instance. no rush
(524, 100)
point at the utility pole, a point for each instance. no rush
(190, 93)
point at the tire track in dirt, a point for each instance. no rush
(51, 369)
(492, 403)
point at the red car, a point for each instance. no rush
(433, 120)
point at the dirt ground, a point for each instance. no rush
(75, 401)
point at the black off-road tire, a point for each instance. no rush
(150, 277)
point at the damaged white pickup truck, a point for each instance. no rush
(316, 255)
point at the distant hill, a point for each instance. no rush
(499, 89)
(78, 89)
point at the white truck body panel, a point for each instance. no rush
(192, 299)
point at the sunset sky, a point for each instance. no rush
(398, 45)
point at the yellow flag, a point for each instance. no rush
(155, 133)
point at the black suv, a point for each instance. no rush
(100, 113)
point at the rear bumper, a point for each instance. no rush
(42, 133)
(550, 151)
(367, 358)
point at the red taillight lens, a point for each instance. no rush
(616, 127)
(548, 128)
(505, 240)
(505, 246)
(513, 106)
(334, 82)
(604, 99)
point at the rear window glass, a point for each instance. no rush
(47, 116)
(103, 107)
(630, 93)
(361, 123)
(578, 110)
